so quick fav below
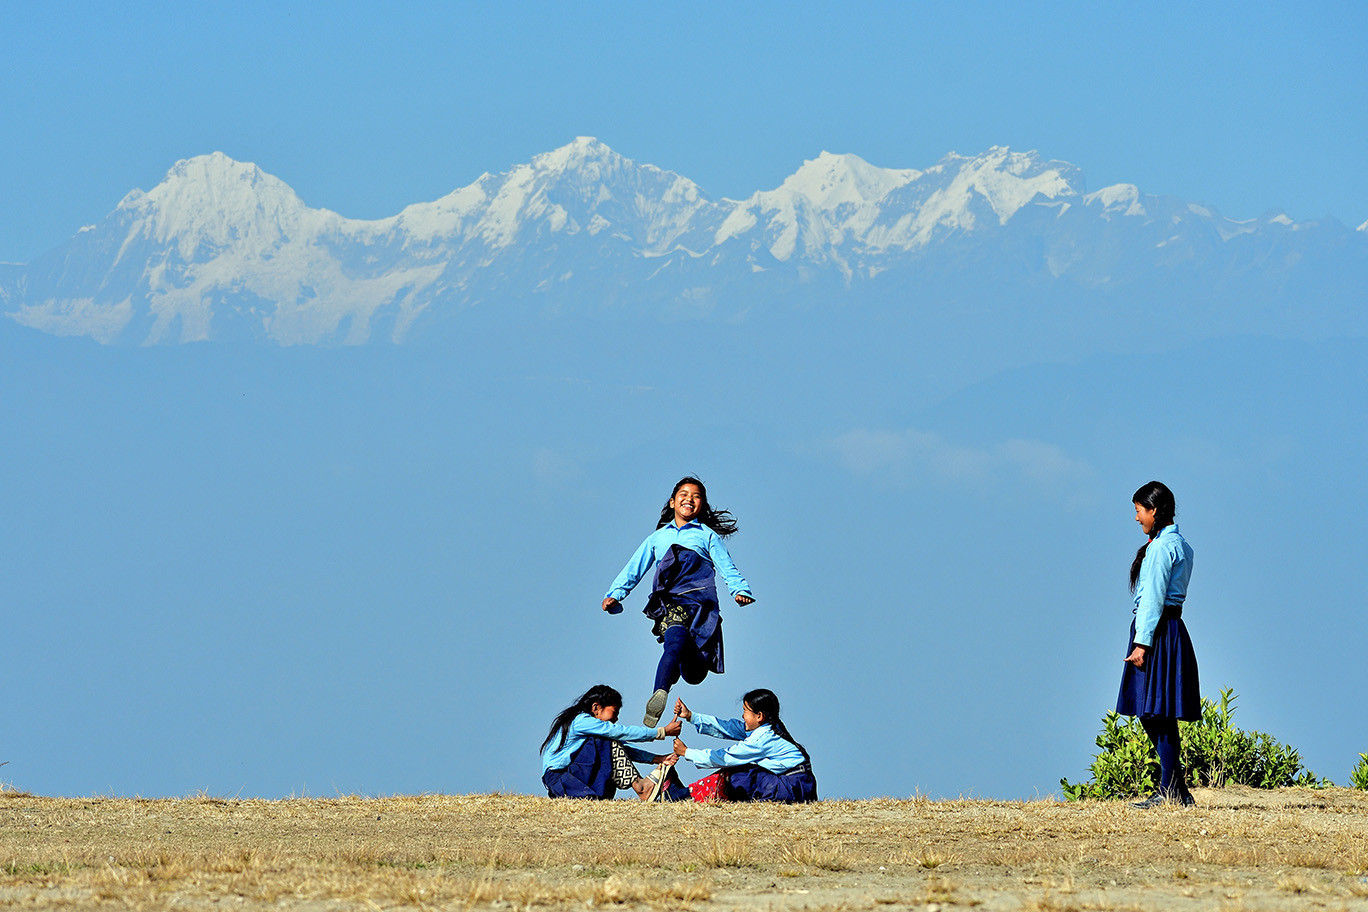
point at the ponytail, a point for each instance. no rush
(765, 703)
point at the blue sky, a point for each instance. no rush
(261, 571)
(1245, 107)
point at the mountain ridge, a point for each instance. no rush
(223, 249)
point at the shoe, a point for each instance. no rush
(657, 778)
(655, 707)
(1182, 798)
(1153, 801)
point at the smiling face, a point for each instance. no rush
(687, 503)
(750, 718)
(1145, 517)
(604, 713)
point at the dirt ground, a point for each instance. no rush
(1237, 849)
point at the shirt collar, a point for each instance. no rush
(1171, 527)
(691, 524)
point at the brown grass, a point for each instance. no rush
(1236, 849)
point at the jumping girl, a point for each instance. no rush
(583, 755)
(686, 549)
(768, 764)
(1159, 681)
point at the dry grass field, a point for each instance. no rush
(1237, 849)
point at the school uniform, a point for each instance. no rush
(581, 766)
(683, 602)
(762, 767)
(1167, 685)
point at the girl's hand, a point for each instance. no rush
(682, 711)
(1137, 657)
(680, 748)
(743, 599)
(668, 759)
(674, 728)
(612, 605)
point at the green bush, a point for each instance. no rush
(1358, 777)
(1215, 754)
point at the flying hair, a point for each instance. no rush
(720, 521)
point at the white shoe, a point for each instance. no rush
(655, 707)
(657, 778)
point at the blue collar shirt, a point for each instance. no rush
(1163, 580)
(692, 535)
(762, 747)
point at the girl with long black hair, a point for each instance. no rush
(584, 754)
(767, 765)
(687, 551)
(1159, 682)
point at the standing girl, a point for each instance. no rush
(1159, 681)
(584, 756)
(687, 551)
(768, 764)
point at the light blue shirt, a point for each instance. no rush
(586, 726)
(693, 535)
(1164, 575)
(762, 746)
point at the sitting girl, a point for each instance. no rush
(588, 758)
(768, 765)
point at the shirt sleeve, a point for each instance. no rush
(586, 724)
(748, 751)
(713, 727)
(717, 552)
(632, 573)
(1150, 590)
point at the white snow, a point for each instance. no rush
(217, 229)
(1123, 197)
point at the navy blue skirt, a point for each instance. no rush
(589, 775)
(755, 783)
(1167, 686)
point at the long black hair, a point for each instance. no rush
(601, 694)
(1153, 495)
(763, 701)
(720, 521)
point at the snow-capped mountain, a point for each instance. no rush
(221, 249)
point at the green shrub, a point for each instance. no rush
(1215, 754)
(1358, 777)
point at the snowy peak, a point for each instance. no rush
(829, 181)
(216, 201)
(1007, 180)
(585, 152)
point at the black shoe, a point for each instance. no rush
(1185, 798)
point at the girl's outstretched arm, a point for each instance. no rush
(631, 574)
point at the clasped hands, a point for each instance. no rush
(682, 712)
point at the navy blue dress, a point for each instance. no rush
(589, 775)
(684, 582)
(1167, 685)
(755, 783)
